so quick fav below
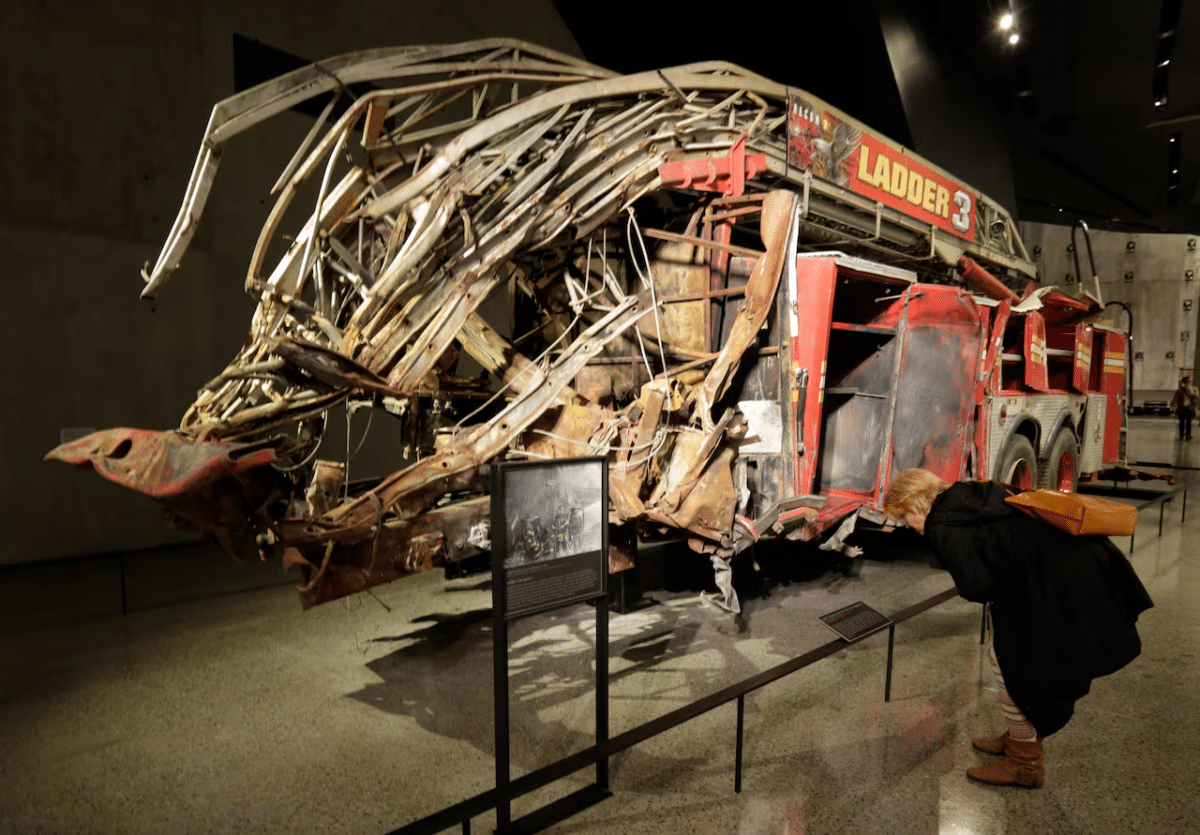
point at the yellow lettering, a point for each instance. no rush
(916, 183)
(943, 202)
(864, 171)
(899, 179)
(930, 194)
(881, 173)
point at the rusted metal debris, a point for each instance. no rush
(639, 288)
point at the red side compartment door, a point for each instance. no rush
(1036, 375)
(945, 334)
(1083, 357)
(812, 309)
(1112, 384)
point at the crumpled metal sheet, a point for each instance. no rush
(327, 365)
(330, 570)
(160, 464)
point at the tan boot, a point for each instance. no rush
(990, 744)
(1022, 766)
(993, 744)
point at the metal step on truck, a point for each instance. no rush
(755, 307)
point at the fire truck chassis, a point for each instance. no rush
(755, 307)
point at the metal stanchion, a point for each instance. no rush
(887, 688)
(737, 767)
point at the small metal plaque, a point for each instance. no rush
(858, 620)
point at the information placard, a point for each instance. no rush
(549, 533)
(858, 620)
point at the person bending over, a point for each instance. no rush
(1063, 608)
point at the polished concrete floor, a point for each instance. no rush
(240, 713)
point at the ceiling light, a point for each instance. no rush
(1164, 62)
(1013, 38)
(1172, 139)
(1174, 170)
(1006, 21)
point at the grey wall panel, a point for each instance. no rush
(1157, 294)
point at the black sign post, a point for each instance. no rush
(549, 549)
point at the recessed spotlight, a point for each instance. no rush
(1006, 21)
(1013, 38)
(1172, 139)
(1174, 170)
(1165, 62)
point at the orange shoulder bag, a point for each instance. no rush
(1077, 514)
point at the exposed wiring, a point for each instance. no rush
(362, 440)
(350, 455)
(361, 646)
(311, 455)
(648, 284)
(666, 372)
(508, 383)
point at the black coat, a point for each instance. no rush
(1063, 607)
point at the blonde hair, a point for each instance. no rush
(913, 490)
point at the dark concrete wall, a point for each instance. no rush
(952, 117)
(104, 105)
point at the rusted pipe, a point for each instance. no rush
(983, 281)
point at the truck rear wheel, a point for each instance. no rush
(1060, 469)
(1018, 464)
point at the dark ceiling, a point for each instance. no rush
(1062, 126)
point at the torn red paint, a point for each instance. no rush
(160, 464)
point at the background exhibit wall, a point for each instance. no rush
(1157, 293)
(105, 106)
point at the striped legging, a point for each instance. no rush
(1018, 726)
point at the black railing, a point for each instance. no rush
(1147, 498)
(461, 813)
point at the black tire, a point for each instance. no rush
(1060, 469)
(1017, 464)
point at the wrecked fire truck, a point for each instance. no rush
(757, 308)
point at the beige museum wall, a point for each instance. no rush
(1157, 293)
